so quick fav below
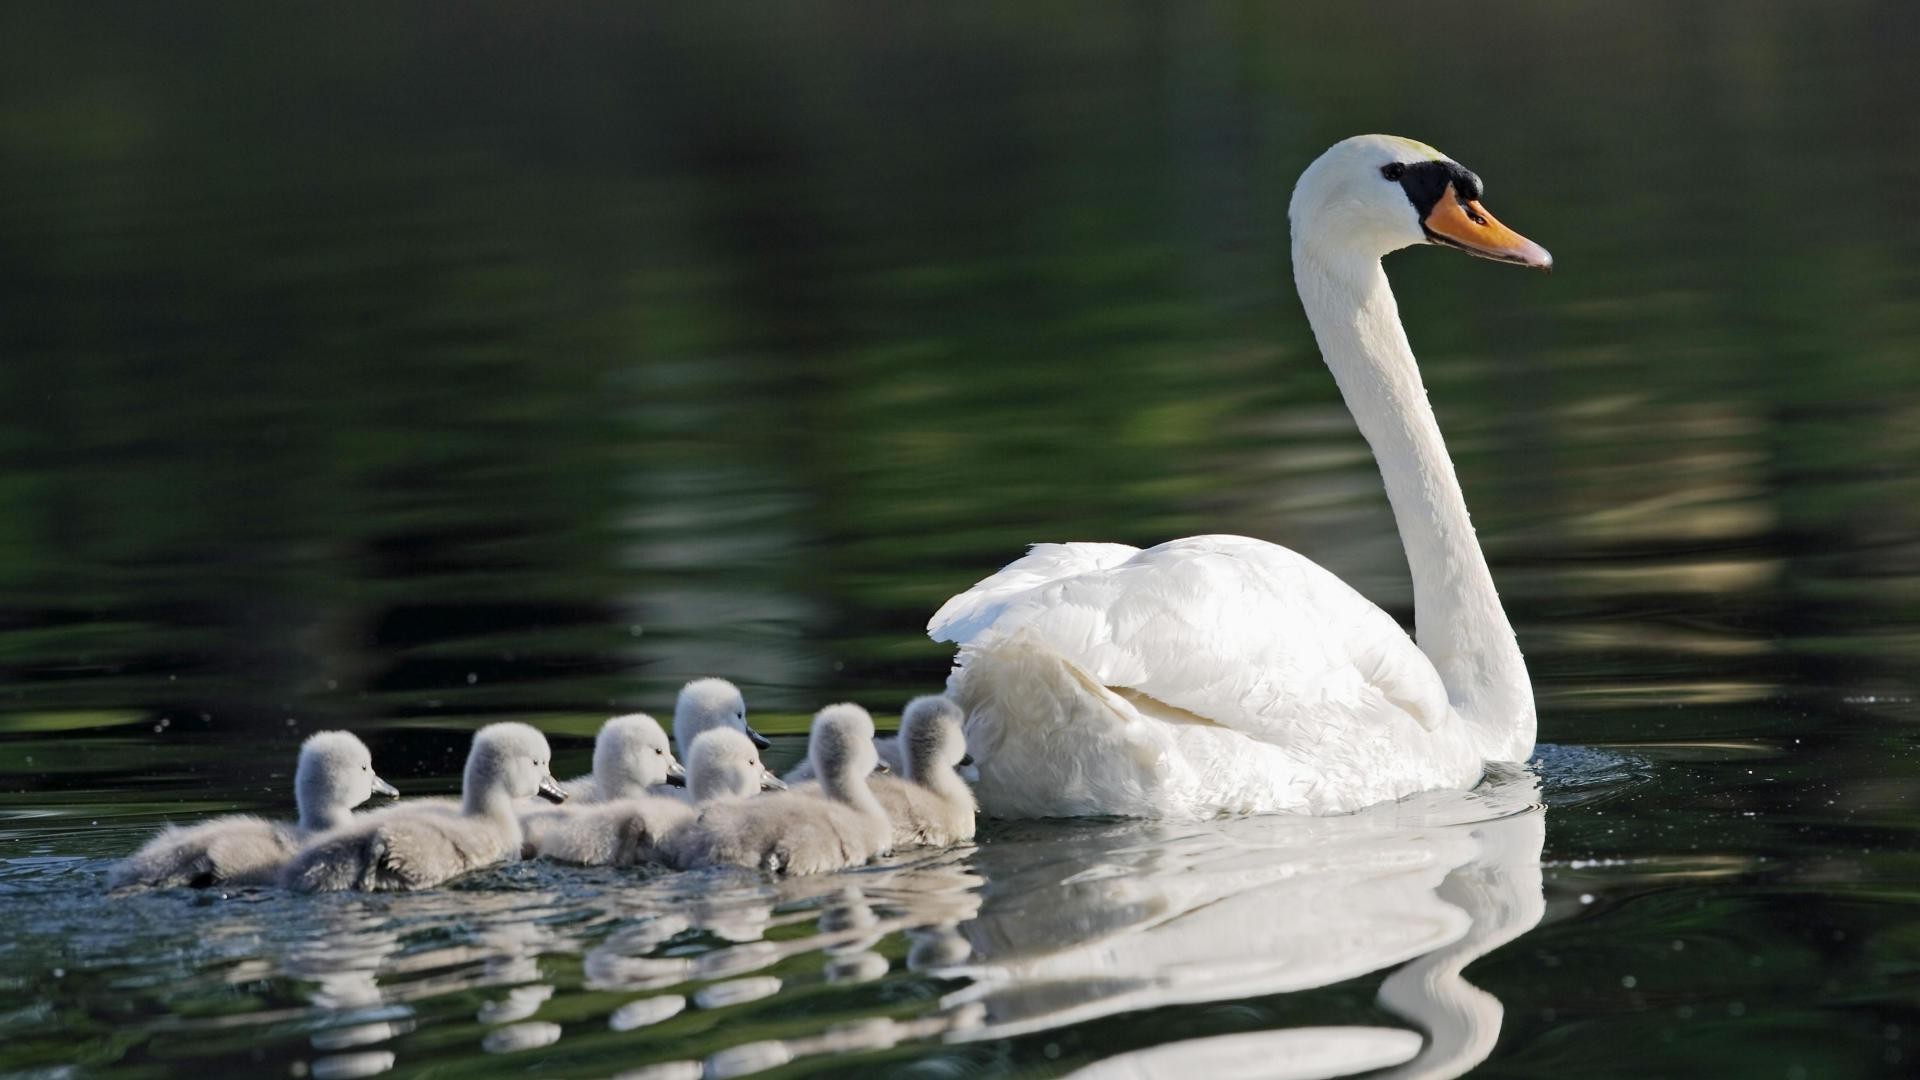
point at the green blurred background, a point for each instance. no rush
(406, 366)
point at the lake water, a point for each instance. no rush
(407, 370)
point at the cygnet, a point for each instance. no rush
(626, 832)
(931, 805)
(335, 774)
(792, 833)
(399, 850)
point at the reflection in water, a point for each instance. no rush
(1043, 925)
(1151, 916)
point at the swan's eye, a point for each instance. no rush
(1394, 171)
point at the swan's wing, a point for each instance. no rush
(966, 615)
(1237, 632)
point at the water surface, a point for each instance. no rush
(401, 372)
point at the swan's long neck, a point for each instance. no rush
(1458, 620)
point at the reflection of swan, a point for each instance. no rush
(1222, 674)
(1154, 915)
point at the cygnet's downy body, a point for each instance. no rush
(793, 833)
(707, 705)
(335, 774)
(418, 850)
(627, 832)
(931, 804)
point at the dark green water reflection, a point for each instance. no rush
(405, 369)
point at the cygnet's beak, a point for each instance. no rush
(381, 787)
(1465, 224)
(550, 790)
(676, 774)
(965, 760)
(770, 782)
(759, 741)
(882, 767)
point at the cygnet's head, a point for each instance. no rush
(335, 775)
(705, 704)
(1373, 194)
(841, 745)
(931, 736)
(631, 755)
(725, 765)
(511, 758)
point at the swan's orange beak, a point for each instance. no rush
(1465, 224)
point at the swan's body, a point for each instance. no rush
(1221, 674)
(418, 850)
(930, 805)
(335, 774)
(705, 705)
(795, 833)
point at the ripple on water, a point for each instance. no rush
(1042, 925)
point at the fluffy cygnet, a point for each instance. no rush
(931, 804)
(401, 850)
(630, 755)
(892, 754)
(707, 705)
(792, 833)
(335, 775)
(627, 832)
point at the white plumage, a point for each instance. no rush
(1222, 674)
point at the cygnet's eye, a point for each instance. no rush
(1394, 171)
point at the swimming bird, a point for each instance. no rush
(418, 850)
(792, 833)
(703, 705)
(334, 775)
(930, 804)
(630, 755)
(634, 830)
(1222, 674)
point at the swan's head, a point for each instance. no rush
(514, 758)
(335, 775)
(1373, 194)
(931, 737)
(705, 704)
(631, 755)
(841, 745)
(725, 765)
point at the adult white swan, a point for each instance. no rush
(1219, 674)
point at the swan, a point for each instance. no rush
(726, 765)
(703, 705)
(931, 805)
(1221, 674)
(792, 833)
(334, 775)
(638, 829)
(418, 850)
(892, 755)
(630, 755)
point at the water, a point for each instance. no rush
(403, 373)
